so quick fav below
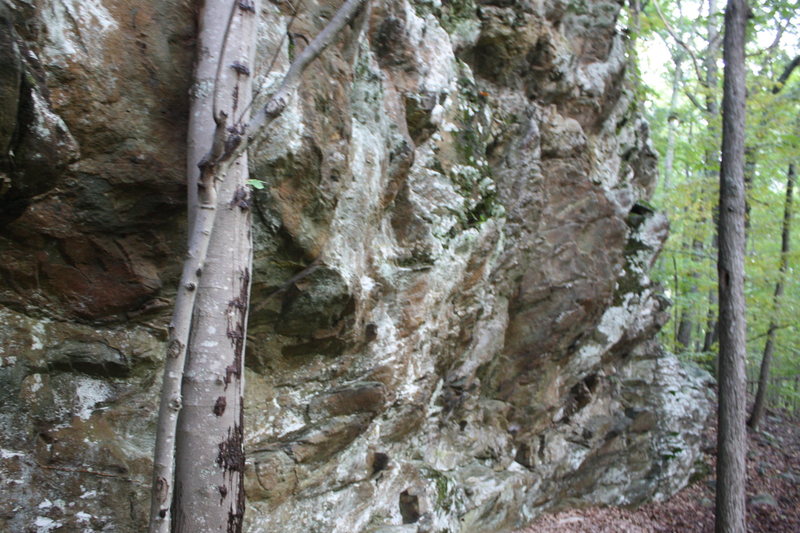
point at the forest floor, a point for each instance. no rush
(773, 493)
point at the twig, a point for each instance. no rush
(280, 99)
(90, 472)
(785, 75)
(694, 101)
(307, 271)
(257, 126)
(257, 92)
(680, 42)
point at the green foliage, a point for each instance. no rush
(683, 126)
(256, 184)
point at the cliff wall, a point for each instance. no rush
(463, 187)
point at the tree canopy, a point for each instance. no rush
(679, 58)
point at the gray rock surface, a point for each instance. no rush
(473, 343)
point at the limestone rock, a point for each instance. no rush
(452, 323)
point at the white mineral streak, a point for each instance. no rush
(88, 393)
(44, 524)
(37, 332)
(36, 383)
(76, 30)
(49, 127)
(445, 279)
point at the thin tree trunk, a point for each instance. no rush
(202, 215)
(710, 58)
(732, 434)
(209, 484)
(712, 329)
(796, 392)
(749, 176)
(710, 158)
(207, 489)
(684, 334)
(769, 345)
(672, 125)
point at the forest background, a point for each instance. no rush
(678, 44)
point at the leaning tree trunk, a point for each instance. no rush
(769, 346)
(732, 434)
(209, 493)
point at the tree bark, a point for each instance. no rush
(204, 394)
(769, 345)
(684, 334)
(732, 435)
(209, 490)
(202, 200)
(672, 125)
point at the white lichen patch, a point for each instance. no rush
(616, 321)
(8, 454)
(88, 393)
(592, 78)
(38, 333)
(44, 524)
(287, 131)
(35, 383)
(76, 30)
(434, 52)
(357, 211)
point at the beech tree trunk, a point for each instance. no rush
(732, 434)
(203, 376)
(209, 490)
(769, 345)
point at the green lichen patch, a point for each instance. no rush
(444, 489)
(455, 16)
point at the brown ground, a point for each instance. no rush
(773, 468)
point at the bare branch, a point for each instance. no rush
(256, 128)
(295, 12)
(778, 37)
(278, 102)
(694, 101)
(280, 99)
(785, 75)
(680, 42)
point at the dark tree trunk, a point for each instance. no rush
(732, 434)
(712, 331)
(769, 346)
(684, 334)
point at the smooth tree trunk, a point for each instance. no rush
(732, 434)
(759, 404)
(209, 489)
(204, 491)
(672, 124)
(203, 197)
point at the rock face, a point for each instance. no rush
(461, 187)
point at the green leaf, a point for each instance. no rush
(256, 184)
